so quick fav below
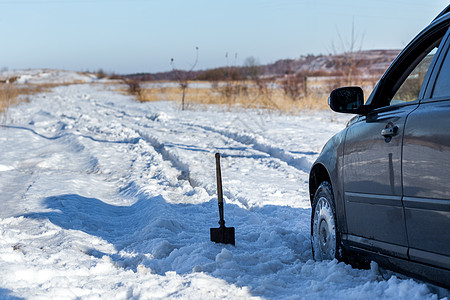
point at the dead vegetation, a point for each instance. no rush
(13, 93)
(290, 93)
(287, 85)
(244, 94)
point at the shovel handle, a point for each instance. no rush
(219, 190)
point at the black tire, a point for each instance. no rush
(325, 238)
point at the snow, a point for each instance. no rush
(106, 197)
(38, 76)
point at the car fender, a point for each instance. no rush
(328, 167)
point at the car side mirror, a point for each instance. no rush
(347, 100)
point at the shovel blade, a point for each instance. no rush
(224, 235)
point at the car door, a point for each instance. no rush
(372, 181)
(372, 168)
(426, 173)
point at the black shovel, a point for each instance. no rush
(222, 234)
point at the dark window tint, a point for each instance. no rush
(410, 88)
(442, 85)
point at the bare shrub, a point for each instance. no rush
(100, 74)
(345, 61)
(295, 86)
(183, 77)
(134, 87)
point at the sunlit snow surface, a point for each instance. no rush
(105, 197)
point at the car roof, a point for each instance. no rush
(446, 10)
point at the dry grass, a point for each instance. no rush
(266, 95)
(244, 95)
(13, 93)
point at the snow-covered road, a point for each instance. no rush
(105, 197)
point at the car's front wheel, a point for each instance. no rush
(324, 236)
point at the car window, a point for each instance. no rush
(442, 85)
(410, 88)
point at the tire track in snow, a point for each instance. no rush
(161, 147)
(174, 159)
(85, 127)
(167, 150)
(154, 142)
(168, 156)
(227, 144)
(300, 163)
(158, 132)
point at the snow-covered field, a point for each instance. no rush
(105, 197)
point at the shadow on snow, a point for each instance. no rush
(270, 241)
(5, 295)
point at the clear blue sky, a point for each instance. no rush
(126, 36)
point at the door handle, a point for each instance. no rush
(390, 131)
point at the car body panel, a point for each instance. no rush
(426, 178)
(331, 162)
(372, 172)
(393, 196)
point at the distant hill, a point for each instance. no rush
(371, 61)
(367, 62)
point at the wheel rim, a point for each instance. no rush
(324, 231)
